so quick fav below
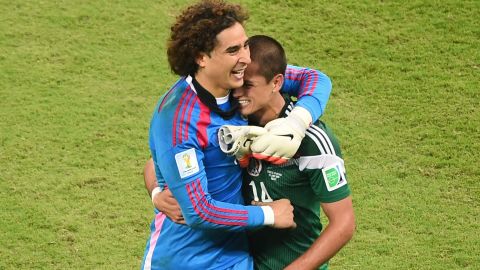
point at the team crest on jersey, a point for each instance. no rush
(274, 175)
(187, 163)
(254, 167)
(334, 177)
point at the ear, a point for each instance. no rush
(277, 82)
(201, 60)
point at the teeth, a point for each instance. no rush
(243, 102)
(238, 73)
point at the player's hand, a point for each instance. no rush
(282, 211)
(167, 204)
(283, 138)
(236, 141)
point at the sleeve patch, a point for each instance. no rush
(187, 163)
(334, 177)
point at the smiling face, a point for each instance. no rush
(223, 69)
(259, 100)
(255, 93)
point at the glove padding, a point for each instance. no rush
(283, 137)
(236, 141)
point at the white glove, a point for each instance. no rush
(236, 140)
(283, 137)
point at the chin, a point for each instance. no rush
(243, 112)
(236, 84)
(246, 112)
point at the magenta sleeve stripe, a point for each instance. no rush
(294, 71)
(291, 69)
(234, 211)
(292, 78)
(189, 113)
(294, 74)
(184, 125)
(314, 83)
(164, 99)
(295, 77)
(183, 106)
(203, 203)
(200, 214)
(202, 125)
(305, 85)
(168, 94)
(175, 117)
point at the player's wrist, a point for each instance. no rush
(155, 192)
(300, 118)
(268, 215)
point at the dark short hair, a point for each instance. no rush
(195, 32)
(269, 55)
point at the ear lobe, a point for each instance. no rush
(277, 82)
(200, 60)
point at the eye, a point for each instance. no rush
(247, 85)
(233, 50)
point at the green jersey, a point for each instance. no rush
(316, 174)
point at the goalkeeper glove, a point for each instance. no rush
(283, 137)
(236, 141)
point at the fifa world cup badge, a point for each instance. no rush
(187, 163)
(186, 159)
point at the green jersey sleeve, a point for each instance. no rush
(321, 159)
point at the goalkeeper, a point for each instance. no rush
(314, 177)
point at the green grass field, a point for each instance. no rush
(79, 80)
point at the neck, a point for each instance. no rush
(270, 112)
(216, 91)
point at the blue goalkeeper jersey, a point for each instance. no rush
(310, 86)
(207, 183)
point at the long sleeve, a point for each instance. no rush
(310, 86)
(185, 175)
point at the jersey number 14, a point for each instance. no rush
(264, 193)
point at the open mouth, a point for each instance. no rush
(238, 73)
(243, 102)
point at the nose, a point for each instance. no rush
(238, 92)
(245, 55)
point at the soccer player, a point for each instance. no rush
(314, 177)
(209, 49)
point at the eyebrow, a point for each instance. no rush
(236, 47)
(247, 82)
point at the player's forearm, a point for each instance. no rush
(316, 98)
(149, 176)
(201, 211)
(331, 240)
(311, 86)
(237, 219)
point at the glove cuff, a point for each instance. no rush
(301, 117)
(234, 139)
